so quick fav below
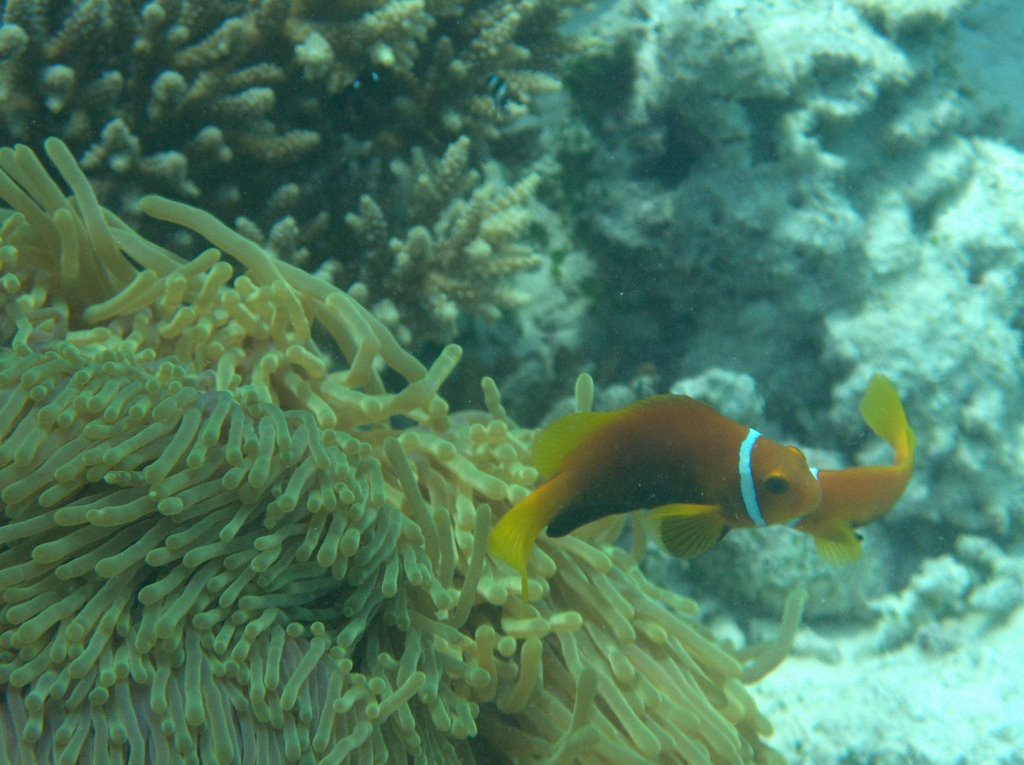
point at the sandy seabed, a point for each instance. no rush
(962, 707)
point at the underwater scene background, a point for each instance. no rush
(256, 258)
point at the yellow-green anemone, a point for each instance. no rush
(216, 546)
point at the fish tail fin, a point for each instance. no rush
(884, 414)
(513, 537)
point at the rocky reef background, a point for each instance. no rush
(791, 197)
(801, 198)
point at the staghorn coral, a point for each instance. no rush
(215, 544)
(257, 67)
(463, 259)
(188, 98)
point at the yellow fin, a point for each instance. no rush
(837, 543)
(884, 414)
(561, 438)
(687, 531)
(565, 435)
(513, 537)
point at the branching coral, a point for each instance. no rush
(459, 252)
(258, 70)
(217, 544)
(189, 97)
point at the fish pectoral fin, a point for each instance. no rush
(687, 531)
(837, 543)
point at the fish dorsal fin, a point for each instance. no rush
(565, 435)
(687, 531)
(838, 544)
(557, 441)
(883, 412)
(663, 400)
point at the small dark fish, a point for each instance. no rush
(365, 80)
(497, 86)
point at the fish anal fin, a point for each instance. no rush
(557, 441)
(837, 543)
(687, 531)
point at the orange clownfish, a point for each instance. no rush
(702, 474)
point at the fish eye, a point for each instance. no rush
(776, 484)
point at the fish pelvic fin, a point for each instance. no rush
(513, 537)
(837, 542)
(883, 412)
(687, 531)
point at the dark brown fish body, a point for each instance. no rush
(699, 472)
(660, 455)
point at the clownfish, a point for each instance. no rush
(701, 472)
(858, 495)
(702, 475)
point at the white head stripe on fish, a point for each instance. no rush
(747, 489)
